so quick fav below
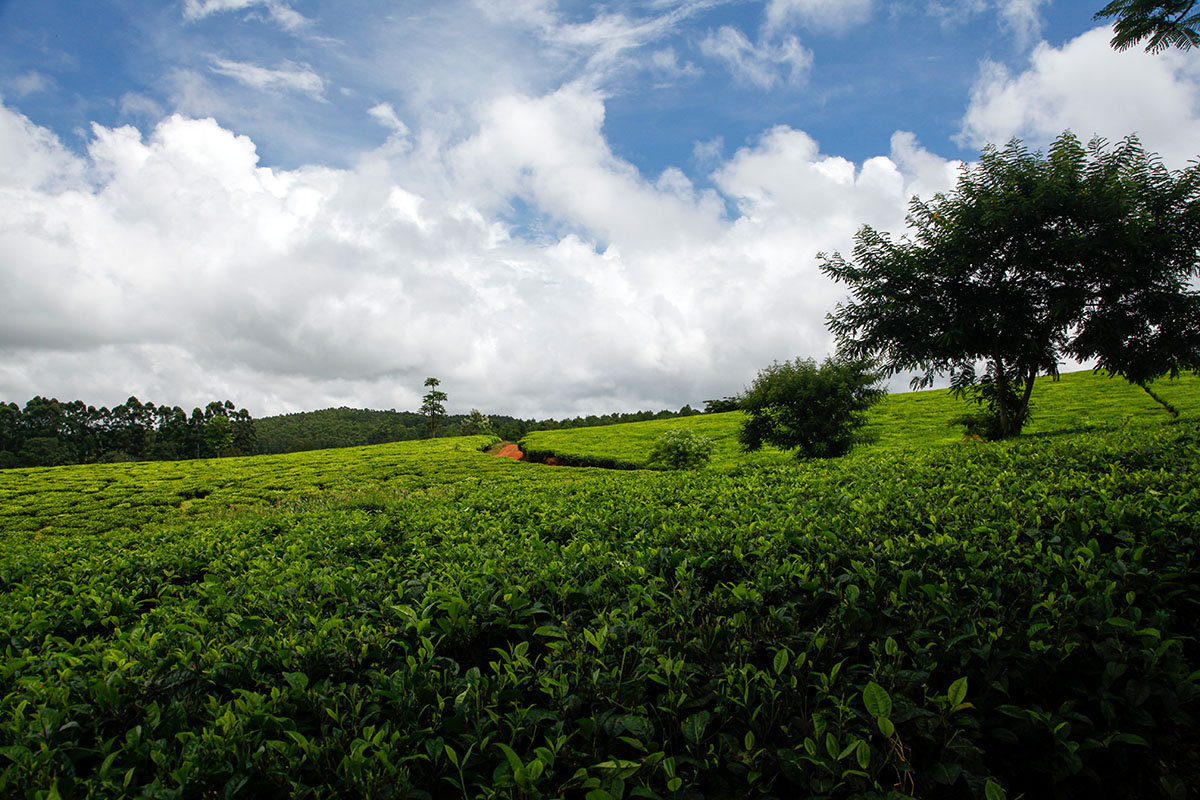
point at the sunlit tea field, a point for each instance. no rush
(926, 617)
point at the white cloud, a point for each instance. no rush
(385, 114)
(954, 12)
(817, 14)
(289, 77)
(173, 266)
(1023, 18)
(283, 14)
(1087, 87)
(763, 64)
(27, 83)
(604, 46)
(139, 106)
(666, 67)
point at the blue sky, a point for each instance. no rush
(555, 207)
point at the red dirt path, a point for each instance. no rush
(509, 451)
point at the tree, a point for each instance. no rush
(1165, 24)
(477, 424)
(1084, 253)
(722, 405)
(433, 405)
(218, 435)
(816, 411)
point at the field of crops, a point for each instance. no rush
(423, 620)
(1076, 402)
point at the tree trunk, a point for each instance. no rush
(1025, 400)
(1001, 396)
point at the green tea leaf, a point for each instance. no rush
(958, 692)
(877, 701)
(693, 727)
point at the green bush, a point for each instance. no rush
(816, 411)
(681, 448)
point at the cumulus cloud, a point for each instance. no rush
(172, 265)
(764, 64)
(1087, 87)
(818, 14)
(288, 77)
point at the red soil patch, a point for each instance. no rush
(509, 451)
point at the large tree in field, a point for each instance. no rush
(1084, 252)
(1170, 24)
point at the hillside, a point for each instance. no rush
(1078, 401)
(352, 427)
(419, 619)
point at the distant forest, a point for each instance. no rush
(48, 433)
(352, 427)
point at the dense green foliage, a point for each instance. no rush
(1169, 24)
(1074, 402)
(47, 432)
(816, 411)
(420, 619)
(348, 427)
(1084, 252)
(477, 424)
(338, 427)
(681, 448)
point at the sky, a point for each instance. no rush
(556, 208)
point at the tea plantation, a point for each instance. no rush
(925, 617)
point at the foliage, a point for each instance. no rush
(1085, 252)
(48, 432)
(351, 427)
(1169, 24)
(723, 405)
(943, 622)
(682, 448)
(433, 405)
(476, 423)
(338, 427)
(1076, 401)
(816, 411)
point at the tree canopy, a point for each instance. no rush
(433, 405)
(1171, 24)
(47, 432)
(813, 410)
(1085, 252)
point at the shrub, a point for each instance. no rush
(681, 448)
(816, 411)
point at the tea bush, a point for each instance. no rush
(681, 448)
(946, 622)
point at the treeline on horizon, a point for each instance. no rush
(353, 427)
(50, 433)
